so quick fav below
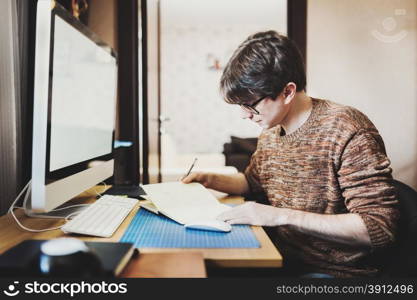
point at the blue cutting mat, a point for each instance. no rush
(149, 230)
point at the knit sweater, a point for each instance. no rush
(335, 163)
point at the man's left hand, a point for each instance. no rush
(253, 213)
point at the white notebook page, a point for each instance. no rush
(184, 203)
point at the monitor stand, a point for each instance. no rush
(131, 191)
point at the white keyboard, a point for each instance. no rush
(101, 218)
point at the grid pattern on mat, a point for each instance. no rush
(149, 230)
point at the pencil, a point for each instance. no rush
(192, 166)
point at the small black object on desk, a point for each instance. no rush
(26, 259)
(68, 257)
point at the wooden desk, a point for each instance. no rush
(265, 256)
(166, 265)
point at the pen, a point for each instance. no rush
(192, 166)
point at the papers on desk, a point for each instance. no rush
(183, 203)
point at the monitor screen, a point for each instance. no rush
(74, 111)
(82, 102)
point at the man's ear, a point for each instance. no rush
(289, 92)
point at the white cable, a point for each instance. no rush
(71, 206)
(24, 203)
(12, 207)
(105, 188)
(32, 230)
(18, 196)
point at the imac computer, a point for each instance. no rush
(75, 93)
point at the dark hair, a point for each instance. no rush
(261, 67)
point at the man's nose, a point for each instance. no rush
(246, 114)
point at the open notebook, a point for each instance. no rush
(183, 203)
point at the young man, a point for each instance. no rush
(321, 165)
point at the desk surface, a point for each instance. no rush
(265, 256)
(166, 265)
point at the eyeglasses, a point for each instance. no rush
(251, 107)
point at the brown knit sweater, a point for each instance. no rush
(335, 163)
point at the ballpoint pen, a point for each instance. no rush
(192, 166)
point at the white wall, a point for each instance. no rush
(364, 54)
(192, 33)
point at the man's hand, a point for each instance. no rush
(253, 213)
(346, 228)
(235, 184)
(203, 178)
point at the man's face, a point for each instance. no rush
(272, 112)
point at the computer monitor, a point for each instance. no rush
(75, 93)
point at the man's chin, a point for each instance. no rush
(264, 126)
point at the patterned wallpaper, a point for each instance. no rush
(200, 121)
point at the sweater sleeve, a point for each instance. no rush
(367, 187)
(252, 175)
